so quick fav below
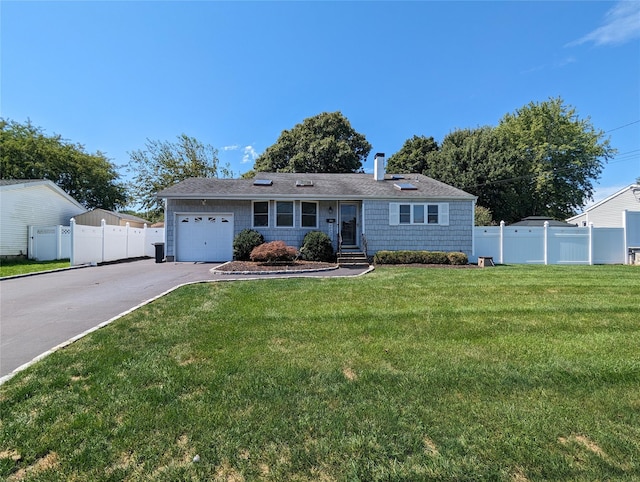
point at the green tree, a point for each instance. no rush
(483, 217)
(162, 164)
(559, 156)
(481, 162)
(323, 143)
(26, 152)
(412, 157)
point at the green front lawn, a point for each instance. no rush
(507, 373)
(14, 267)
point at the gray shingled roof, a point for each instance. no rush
(325, 186)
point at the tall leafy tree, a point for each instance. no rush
(26, 152)
(481, 162)
(412, 157)
(323, 143)
(163, 163)
(559, 155)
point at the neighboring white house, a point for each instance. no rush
(608, 212)
(25, 203)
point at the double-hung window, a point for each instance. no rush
(419, 213)
(309, 214)
(260, 214)
(284, 214)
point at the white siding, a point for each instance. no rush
(25, 205)
(609, 212)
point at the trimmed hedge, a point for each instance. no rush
(420, 257)
(244, 242)
(316, 246)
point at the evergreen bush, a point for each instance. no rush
(420, 257)
(457, 258)
(245, 241)
(316, 246)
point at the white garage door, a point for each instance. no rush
(204, 237)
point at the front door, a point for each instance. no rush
(349, 224)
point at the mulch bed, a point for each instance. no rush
(250, 266)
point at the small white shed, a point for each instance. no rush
(31, 202)
(95, 217)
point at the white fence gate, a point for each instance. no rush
(47, 243)
(559, 245)
(92, 244)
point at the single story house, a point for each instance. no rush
(608, 213)
(95, 217)
(357, 211)
(31, 202)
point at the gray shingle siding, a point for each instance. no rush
(457, 236)
(243, 213)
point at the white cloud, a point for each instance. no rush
(249, 155)
(621, 24)
(231, 148)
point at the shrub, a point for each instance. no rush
(458, 258)
(245, 242)
(316, 246)
(273, 253)
(419, 257)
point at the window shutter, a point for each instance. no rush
(394, 214)
(443, 214)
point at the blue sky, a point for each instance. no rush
(109, 75)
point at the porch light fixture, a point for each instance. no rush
(330, 209)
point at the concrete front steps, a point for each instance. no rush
(352, 259)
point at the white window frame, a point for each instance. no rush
(253, 214)
(293, 214)
(395, 216)
(302, 214)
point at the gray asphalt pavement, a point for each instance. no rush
(37, 313)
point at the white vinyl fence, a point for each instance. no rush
(92, 244)
(559, 245)
(99, 244)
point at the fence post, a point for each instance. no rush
(625, 239)
(103, 225)
(59, 241)
(590, 244)
(72, 225)
(501, 242)
(126, 249)
(546, 242)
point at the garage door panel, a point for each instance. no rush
(204, 237)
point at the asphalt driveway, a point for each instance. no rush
(38, 313)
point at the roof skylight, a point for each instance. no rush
(303, 183)
(262, 182)
(404, 186)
